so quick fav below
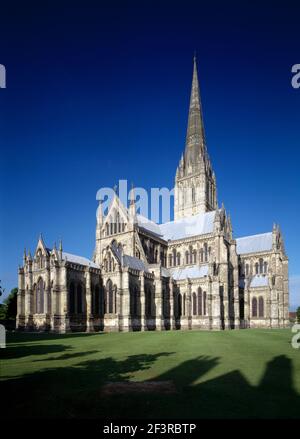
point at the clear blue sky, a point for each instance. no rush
(99, 91)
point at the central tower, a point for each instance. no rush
(195, 182)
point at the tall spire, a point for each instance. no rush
(195, 138)
(195, 182)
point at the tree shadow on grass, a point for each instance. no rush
(67, 356)
(19, 337)
(69, 392)
(231, 396)
(75, 392)
(24, 350)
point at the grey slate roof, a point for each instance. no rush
(191, 272)
(149, 225)
(254, 243)
(199, 224)
(259, 281)
(79, 260)
(135, 263)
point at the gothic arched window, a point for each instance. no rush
(193, 194)
(260, 307)
(40, 297)
(201, 255)
(148, 302)
(174, 257)
(178, 258)
(184, 305)
(179, 305)
(109, 297)
(97, 300)
(134, 299)
(72, 298)
(254, 307)
(186, 257)
(256, 268)
(194, 304)
(261, 265)
(194, 256)
(205, 252)
(265, 267)
(204, 303)
(170, 260)
(79, 299)
(199, 302)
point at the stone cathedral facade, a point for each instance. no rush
(190, 273)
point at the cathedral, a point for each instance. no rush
(190, 273)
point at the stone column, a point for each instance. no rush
(274, 305)
(47, 299)
(286, 321)
(246, 306)
(20, 300)
(237, 321)
(158, 305)
(125, 318)
(55, 301)
(64, 302)
(216, 315)
(172, 316)
(142, 298)
(189, 306)
(223, 291)
(89, 298)
(29, 300)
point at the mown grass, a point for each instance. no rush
(228, 374)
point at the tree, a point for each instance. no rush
(1, 289)
(8, 309)
(298, 314)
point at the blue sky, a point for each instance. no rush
(96, 93)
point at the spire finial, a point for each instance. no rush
(99, 213)
(115, 189)
(132, 196)
(195, 56)
(132, 206)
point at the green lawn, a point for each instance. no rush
(228, 374)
